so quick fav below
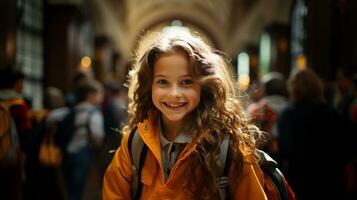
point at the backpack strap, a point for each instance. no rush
(10, 155)
(270, 167)
(65, 129)
(93, 110)
(5, 122)
(137, 150)
(5, 107)
(222, 180)
(12, 102)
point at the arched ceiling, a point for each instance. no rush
(229, 24)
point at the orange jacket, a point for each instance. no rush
(119, 173)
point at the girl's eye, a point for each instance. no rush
(161, 82)
(187, 82)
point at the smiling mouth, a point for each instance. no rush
(175, 106)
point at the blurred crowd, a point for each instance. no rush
(90, 117)
(310, 130)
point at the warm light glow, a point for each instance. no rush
(243, 81)
(243, 71)
(301, 62)
(86, 62)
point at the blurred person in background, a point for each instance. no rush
(44, 180)
(11, 87)
(115, 117)
(311, 133)
(345, 93)
(345, 102)
(86, 138)
(265, 112)
(79, 79)
(115, 113)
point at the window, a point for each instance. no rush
(298, 35)
(264, 53)
(29, 48)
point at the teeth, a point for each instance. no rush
(175, 105)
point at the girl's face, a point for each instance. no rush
(174, 91)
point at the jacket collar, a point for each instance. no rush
(182, 138)
(149, 132)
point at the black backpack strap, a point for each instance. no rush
(137, 150)
(270, 167)
(222, 181)
(65, 129)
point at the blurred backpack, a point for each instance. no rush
(10, 152)
(66, 128)
(276, 187)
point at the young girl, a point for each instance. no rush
(184, 101)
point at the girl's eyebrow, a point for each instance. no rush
(182, 76)
(159, 75)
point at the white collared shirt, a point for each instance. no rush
(172, 150)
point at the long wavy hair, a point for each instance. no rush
(218, 113)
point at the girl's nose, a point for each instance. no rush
(175, 91)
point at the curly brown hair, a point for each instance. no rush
(218, 113)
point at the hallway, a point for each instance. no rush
(56, 43)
